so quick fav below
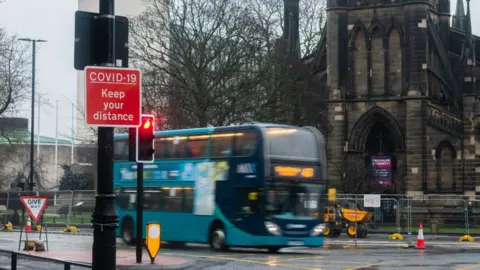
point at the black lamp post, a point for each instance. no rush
(32, 122)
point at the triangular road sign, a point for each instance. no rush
(35, 205)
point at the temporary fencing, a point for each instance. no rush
(456, 215)
(64, 208)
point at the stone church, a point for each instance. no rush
(401, 79)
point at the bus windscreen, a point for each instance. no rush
(291, 143)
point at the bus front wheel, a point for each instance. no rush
(273, 249)
(217, 239)
(127, 232)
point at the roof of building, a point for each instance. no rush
(24, 138)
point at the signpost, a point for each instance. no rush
(112, 97)
(35, 206)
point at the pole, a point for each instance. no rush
(38, 128)
(32, 116)
(139, 212)
(72, 154)
(105, 216)
(56, 143)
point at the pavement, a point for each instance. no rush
(373, 252)
(77, 248)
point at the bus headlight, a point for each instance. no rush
(318, 229)
(272, 228)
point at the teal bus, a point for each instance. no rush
(256, 185)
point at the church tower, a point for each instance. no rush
(396, 94)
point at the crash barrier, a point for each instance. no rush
(400, 215)
(65, 210)
(15, 257)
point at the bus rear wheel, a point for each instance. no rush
(217, 239)
(127, 232)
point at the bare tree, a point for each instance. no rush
(15, 169)
(353, 175)
(217, 62)
(14, 71)
(196, 54)
(14, 82)
(269, 16)
(293, 94)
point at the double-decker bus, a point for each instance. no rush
(255, 185)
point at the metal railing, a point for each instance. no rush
(451, 214)
(67, 265)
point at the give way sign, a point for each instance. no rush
(35, 205)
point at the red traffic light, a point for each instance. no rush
(147, 124)
(145, 146)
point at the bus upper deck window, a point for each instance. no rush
(246, 144)
(175, 147)
(222, 145)
(197, 147)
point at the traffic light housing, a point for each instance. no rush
(145, 139)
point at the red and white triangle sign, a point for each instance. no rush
(35, 205)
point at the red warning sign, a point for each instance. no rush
(35, 205)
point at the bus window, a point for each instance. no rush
(188, 200)
(175, 147)
(197, 148)
(159, 145)
(154, 200)
(120, 150)
(221, 145)
(246, 145)
(292, 143)
(173, 200)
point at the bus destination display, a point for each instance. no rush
(295, 171)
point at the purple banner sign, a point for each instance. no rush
(382, 170)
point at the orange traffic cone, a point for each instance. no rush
(28, 226)
(420, 240)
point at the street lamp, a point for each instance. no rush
(32, 122)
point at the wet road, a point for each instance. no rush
(373, 253)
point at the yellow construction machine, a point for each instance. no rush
(339, 217)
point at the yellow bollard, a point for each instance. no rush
(152, 240)
(8, 226)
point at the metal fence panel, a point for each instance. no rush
(438, 214)
(64, 208)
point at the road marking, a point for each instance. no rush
(474, 266)
(275, 260)
(370, 265)
(296, 259)
(215, 257)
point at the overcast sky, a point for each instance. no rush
(53, 20)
